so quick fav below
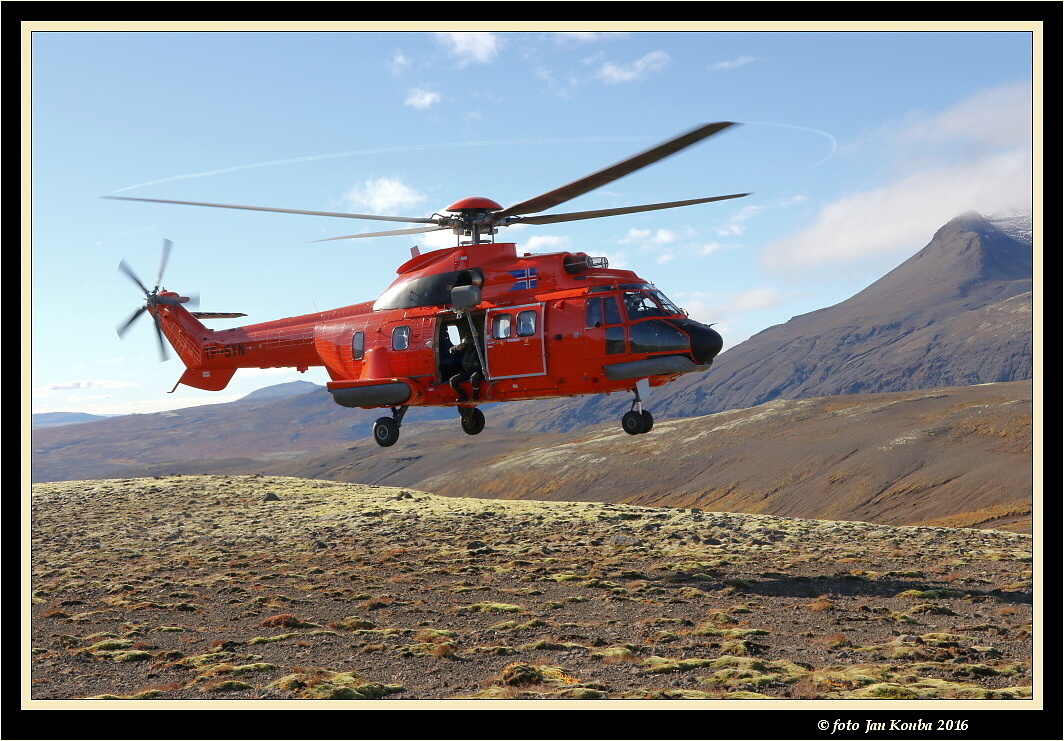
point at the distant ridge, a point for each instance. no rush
(55, 419)
(283, 390)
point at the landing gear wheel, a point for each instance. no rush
(385, 431)
(634, 423)
(473, 421)
(648, 421)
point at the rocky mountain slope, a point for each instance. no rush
(956, 456)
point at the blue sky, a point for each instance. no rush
(855, 145)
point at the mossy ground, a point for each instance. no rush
(257, 588)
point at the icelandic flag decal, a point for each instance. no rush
(523, 279)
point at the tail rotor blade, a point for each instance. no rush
(124, 327)
(167, 244)
(163, 354)
(122, 266)
(152, 300)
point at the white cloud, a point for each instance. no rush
(588, 37)
(471, 47)
(399, 63)
(729, 313)
(649, 237)
(755, 299)
(710, 247)
(976, 156)
(82, 385)
(732, 63)
(382, 196)
(421, 98)
(550, 243)
(435, 240)
(613, 73)
(736, 223)
(986, 122)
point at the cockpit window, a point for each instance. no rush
(667, 305)
(643, 304)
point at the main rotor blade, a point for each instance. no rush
(334, 214)
(609, 174)
(417, 230)
(576, 216)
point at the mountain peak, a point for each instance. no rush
(956, 313)
(970, 252)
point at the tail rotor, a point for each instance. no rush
(153, 299)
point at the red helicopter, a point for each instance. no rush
(478, 315)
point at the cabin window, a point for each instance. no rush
(501, 326)
(593, 314)
(401, 338)
(358, 345)
(602, 310)
(526, 323)
(614, 340)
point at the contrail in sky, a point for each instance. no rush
(364, 152)
(826, 135)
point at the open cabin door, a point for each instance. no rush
(513, 342)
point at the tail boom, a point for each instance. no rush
(212, 357)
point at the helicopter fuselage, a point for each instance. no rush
(544, 325)
(540, 325)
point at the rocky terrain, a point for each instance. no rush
(251, 588)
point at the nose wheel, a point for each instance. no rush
(637, 422)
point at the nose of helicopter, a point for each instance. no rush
(706, 342)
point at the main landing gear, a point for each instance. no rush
(472, 420)
(386, 429)
(638, 421)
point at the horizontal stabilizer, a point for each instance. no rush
(214, 379)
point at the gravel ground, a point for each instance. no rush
(249, 588)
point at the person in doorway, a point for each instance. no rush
(470, 371)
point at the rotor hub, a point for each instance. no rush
(474, 203)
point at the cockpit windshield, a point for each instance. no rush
(647, 303)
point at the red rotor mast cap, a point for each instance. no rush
(474, 202)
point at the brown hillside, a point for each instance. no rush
(955, 456)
